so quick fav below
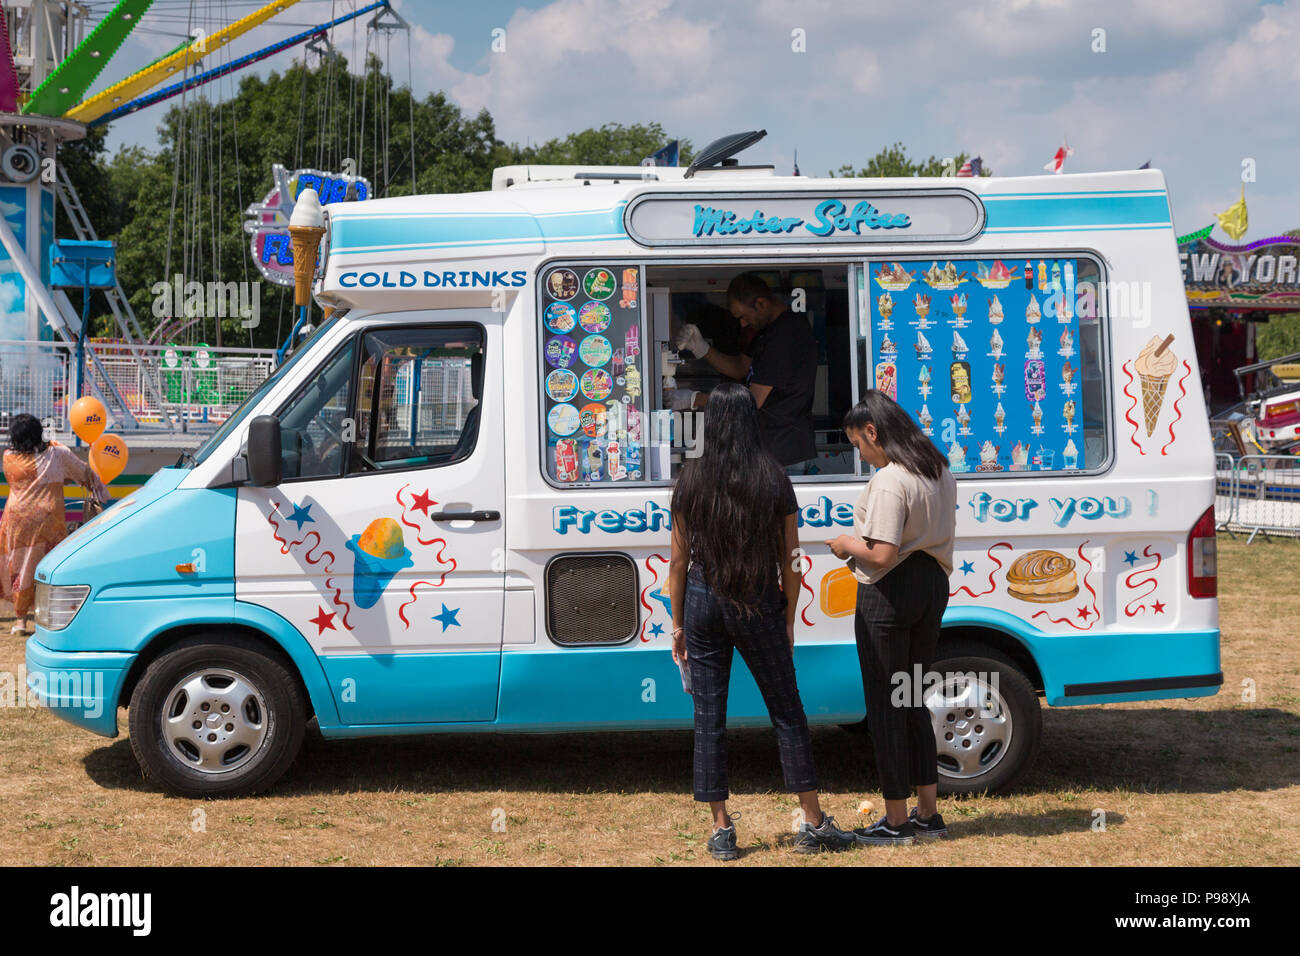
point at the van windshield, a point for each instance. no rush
(251, 402)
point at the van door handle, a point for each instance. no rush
(466, 516)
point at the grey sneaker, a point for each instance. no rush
(931, 829)
(823, 837)
(881, 833)
(722, 844)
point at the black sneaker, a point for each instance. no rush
(825, 836)
(931, 829)
(722, 844)
(881, 833)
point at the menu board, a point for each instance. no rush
(593, 373)
(984, 354)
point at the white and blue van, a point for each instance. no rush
(448, 511)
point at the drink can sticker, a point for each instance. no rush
(562, 284)
(595, 350)
(559, 351)
(561, 385)
(599, 283)
(595, 316)
(593, 419)
(596, 384)
(560, 317)
(563, 419)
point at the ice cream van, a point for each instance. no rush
(448, 511)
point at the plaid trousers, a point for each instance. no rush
(712, 629)
(897, 627)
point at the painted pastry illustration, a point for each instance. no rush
(997, 277)
(1019, 457)
(922, 305)
(888, 347)
(988, 458)
(1042, 577)
(957, 458)
(839, 593)
(946, 278)
(995, 311)
(1070, 455)
(995, 344)
(380, 553)
(1155, 364)
(959, 345)
(894, 277)
(1032, 312)
(885, 305)
(922, 344)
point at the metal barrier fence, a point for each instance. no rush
(1259, 494)
(151, 387)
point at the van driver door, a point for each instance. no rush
(383, 542)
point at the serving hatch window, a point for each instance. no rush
(615, 386)
(999, 360)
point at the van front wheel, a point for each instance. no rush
(987, 723)
(216, 716)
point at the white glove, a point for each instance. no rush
(682, 399)
(689, 338)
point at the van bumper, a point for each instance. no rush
(82, 687)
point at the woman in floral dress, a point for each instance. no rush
(33, 521)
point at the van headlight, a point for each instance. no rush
(57, 605)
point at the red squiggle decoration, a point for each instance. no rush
(307, 554)
(402, 516)
(646, 590)
(275, 527)
(1095, 613)
(401, 610)
(812, 595)
(339, 602)
(1128, 415)
(285, 546)
(1178, 415)
(992, 586)
(1155, 585)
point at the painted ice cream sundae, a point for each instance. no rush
(995, 311)
(998, 277)
(885, 305)
(922, 305)
(957, 457)
(988, 458)
(1070, 455)
(958, 304)
(1020, 457)
(380, 553)
(946, 278)
(894, 277)
(1032, 312)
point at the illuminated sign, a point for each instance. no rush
(749, 218)
(267, 222)
(1259, 275)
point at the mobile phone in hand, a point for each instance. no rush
(685, 669)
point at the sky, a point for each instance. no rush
(1204, 90)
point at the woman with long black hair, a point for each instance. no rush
(734, 519)
(901, 554)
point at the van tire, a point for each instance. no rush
(1018, 701)
(230, 702)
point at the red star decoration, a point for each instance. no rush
(1158, 607)
(422, 502)
(322, 620)
(1084, 612)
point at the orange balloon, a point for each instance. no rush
(108, 457)
(88, 418)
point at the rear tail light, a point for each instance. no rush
(1202, 558)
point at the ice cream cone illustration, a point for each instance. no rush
(885, 305)
(306, 226)
(1000, 416)
(1155, 364)
(925, 418)
(1032, 312)
(1038, 416)
(999, 373)
(922, 344)
(995, 311)
(963, 417)
(380, 553)
(887, 347)
(1068, 411)
(923, 377)
(958, 343)
(995, 343)
(1034, 339)
(958, 304)
(922, 304)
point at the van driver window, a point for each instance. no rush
(419, 397)
(313, 422)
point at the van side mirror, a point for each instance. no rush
(264, 455)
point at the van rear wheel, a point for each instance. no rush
(216, 716)
(986, 718)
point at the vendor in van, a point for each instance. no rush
(779, 365)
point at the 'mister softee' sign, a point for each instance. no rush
(1261, 275)
(749, 218)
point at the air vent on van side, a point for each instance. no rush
(591, 599)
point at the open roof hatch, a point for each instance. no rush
(723, 149)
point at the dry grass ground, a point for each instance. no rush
(1213, 781)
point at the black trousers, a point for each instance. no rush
(713, 629)
(897, 628)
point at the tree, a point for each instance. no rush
(1277, 337)
(611, 145)
(893, 161)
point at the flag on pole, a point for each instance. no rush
(1058, 161)
(1233, 220)
(972, 167)
(796, 163)
(664, 157)
(1146, 165)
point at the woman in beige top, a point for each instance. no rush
(901, 555)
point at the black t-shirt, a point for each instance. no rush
(789, 505)
(785, 358)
